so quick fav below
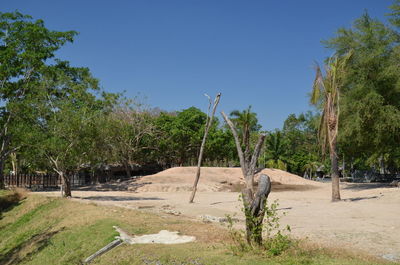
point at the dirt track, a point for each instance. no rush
(367, 219)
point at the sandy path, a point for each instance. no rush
(367, 219)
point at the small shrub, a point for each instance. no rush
(238, 237)
(275, 239)
(11, 198)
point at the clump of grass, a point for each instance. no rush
(11, 198)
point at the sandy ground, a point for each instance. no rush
(367, 219)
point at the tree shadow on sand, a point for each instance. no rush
(119, 198)
(360, 198)
(366, 186)
(129, 185)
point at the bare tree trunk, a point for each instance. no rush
(254, 203)
(2, 184)
(208, 126)
(334, 173)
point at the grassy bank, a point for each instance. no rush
(40, 230)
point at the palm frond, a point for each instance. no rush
(317, 85)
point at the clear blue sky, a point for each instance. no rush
(257, 53)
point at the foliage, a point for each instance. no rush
(275, 242)
(246, 121)
(26, 46)
(370, 112)
(275, 150)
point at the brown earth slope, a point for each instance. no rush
(217, 179)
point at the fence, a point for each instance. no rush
(39, 181)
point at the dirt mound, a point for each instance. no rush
(218, 179)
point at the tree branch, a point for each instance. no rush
(237, 142)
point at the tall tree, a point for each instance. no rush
(209, 121)
(326, 91)
(25, 47)
(370, 98)
(130, 133)
(275, 150)
(66, 107)
(246, 122)
(301, 144)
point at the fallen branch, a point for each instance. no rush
(110, 246)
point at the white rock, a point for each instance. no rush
(163, 237)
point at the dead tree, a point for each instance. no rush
(203, 143)
(253, 201)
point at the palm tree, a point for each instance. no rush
(326, 93)
(310, 168)
(275, 148)
(246, 122)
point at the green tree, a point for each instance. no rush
(275, 150)
(181, 135)
(64, 119)
(301, 144)
(130, 132)
(246, 121)
(370, 101)
(326, 91)
(25, 47)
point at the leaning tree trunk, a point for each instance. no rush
(254, 203)
(203, 143)
(65, 184)
(334, 172)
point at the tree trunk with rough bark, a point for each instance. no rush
(253, 202)
(65, 184)
(334, 172)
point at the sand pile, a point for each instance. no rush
(217, 179)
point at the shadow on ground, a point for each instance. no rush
(360, 198)
(129, 185)
(36, 243)
(276, 187)
(9, 201)
(119, 198)
(365, 186)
